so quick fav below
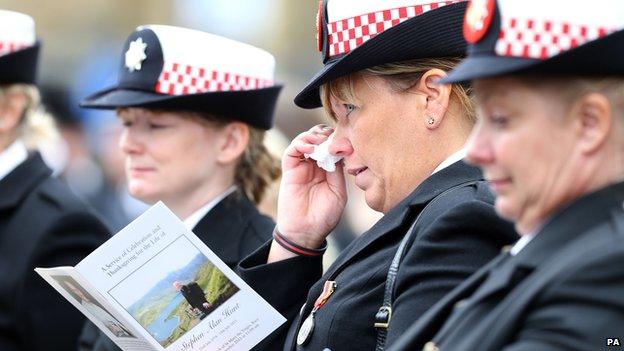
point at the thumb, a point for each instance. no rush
(336, 179)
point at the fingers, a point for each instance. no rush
(336, 180)
(322, 129)
(304, 144)
(316, 134)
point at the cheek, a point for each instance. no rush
(370, 142)
(527, 161)
(196, 152)
(178, 150)
(515, 154)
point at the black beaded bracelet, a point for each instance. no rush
(297, 249)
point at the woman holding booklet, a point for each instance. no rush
(401, 135)
(42, 224)
(195, 107)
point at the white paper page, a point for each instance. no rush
(136, 270)
(68, 282)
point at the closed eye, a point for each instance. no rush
(499, 121)
(157, 126)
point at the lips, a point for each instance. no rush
(356, 171)
(497, 184)
(140, 170)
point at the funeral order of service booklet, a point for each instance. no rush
(156, 286)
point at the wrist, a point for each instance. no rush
(296, 248)
(301, 239)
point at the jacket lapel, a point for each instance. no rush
(425, 328)
(407, 209)
(389, 222)
(497, 280)
(222, 228)
(17, 184)
(558, 232)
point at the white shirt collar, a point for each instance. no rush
(191, 221)
(458, 155)
(521, 243)
(12, 157)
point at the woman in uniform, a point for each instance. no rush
(550, 140)
(42, 224)
(195, 107)
(400, 135)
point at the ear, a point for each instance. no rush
(593, 117)
(11, 110)
(234, 140)
(437, 97)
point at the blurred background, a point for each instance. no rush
(82, 42)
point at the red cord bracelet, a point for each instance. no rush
(297, 249)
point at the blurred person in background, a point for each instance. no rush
(401, 135)
(194, 108)
(550, 140)
(92, 164)
(42, 224)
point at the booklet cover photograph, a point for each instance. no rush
(172, 292)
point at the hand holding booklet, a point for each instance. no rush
(156, 286)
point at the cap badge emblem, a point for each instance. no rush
(477, 20)
(135, 55)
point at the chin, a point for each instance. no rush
(506, 210)
(374, 202)
(138, 191)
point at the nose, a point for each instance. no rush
(340, 145)
(478, 147)
(129, 142)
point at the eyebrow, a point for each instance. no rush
(484, 95)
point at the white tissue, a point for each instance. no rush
(323, 158)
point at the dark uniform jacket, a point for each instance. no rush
(194, 295)
(41, 225)
(455, 236)
(232, 229)
(563, 291)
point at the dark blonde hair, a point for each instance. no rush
(401, 76)
(257, 168)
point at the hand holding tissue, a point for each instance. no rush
(323, 158)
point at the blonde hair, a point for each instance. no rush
(37, 126)
(257, 168)
(401, 76)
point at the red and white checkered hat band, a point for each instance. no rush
(347, 34)
(7, 47)
(542, 39)
(180, 79)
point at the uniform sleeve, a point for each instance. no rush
(580, 312)
(48, 321)
(446, 252)
(284, 284)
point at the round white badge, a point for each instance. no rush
(306, 330)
